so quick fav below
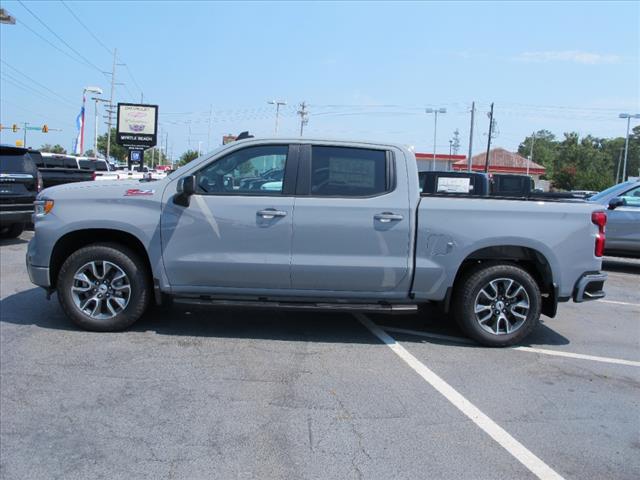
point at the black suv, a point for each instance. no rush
(20, 182)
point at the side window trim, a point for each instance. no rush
(289, 178)
(303, 187)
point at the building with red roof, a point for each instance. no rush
(502, 161)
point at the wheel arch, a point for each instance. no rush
(530, 259)
(77, 239)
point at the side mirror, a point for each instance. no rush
(185, 188)
(616, 202)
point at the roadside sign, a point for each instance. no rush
(137, 125)
(135, 156)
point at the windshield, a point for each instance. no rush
(605, 193)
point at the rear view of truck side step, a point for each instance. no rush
(320, 306)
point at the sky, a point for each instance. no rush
(367, 70)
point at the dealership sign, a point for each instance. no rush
(137, 126)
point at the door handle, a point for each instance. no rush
(269, 213)
(386, 217)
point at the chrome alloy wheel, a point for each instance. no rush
(101, 289)
(501, 306)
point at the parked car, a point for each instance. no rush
(58, 169)
(19, 184)
(623, 218)
(360, 238)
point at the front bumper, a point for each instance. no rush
(38, 275)
(8, 217)
(590, 286)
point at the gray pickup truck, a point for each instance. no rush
(312, 224)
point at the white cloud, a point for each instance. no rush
(574, 56)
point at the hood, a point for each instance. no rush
(104, 189)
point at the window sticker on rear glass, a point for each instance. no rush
(453, 185)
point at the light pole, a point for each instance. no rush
(628, 116)
(277, 103)
(96, 90)
(95, 126)
(435, 111)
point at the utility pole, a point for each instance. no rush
(277, 103)
(619, 165)
(113, 85)
(628, 116)
(166, 147)
(473, 112)
(24, 138)
(533, 139)
(486, 161)
(303, 116)
(450, 146)
(456, 141)
(435, 111)
(209, 129)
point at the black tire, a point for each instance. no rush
(12, 231)
(137, 275)
(468, 292)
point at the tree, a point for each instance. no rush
(544, 150)
(155, 156)
(89, 153)
(116, 151)
(53, 149)
(187, 156)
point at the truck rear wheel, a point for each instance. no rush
(497, 305)
(103, 287)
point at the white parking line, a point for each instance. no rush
(615, 302)
(495, 431)
(435, 336)
(580, 356)
(557, 353)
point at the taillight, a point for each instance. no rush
(93, 175)
(38, 182)
(599, 219)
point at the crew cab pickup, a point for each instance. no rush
(57, 169)
(343, 226)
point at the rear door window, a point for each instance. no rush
(54, 162)
(348, 172)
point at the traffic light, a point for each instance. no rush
(14, 127)
(45, 129)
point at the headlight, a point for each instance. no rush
(42, 207)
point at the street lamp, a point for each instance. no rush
(97, 91)
(435, 111)
(277, 103)
(95, 126)
(628, 116)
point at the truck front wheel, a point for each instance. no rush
(497, 305)
(103, 287)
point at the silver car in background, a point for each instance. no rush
(623, 218)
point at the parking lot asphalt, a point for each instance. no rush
(193, 394)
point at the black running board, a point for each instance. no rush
(337, 307)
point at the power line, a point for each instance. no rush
(17, 82)
(86, 28)
(32, 112)
(38, 83)
(87, 61)
(21, 22)
(133, 78)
